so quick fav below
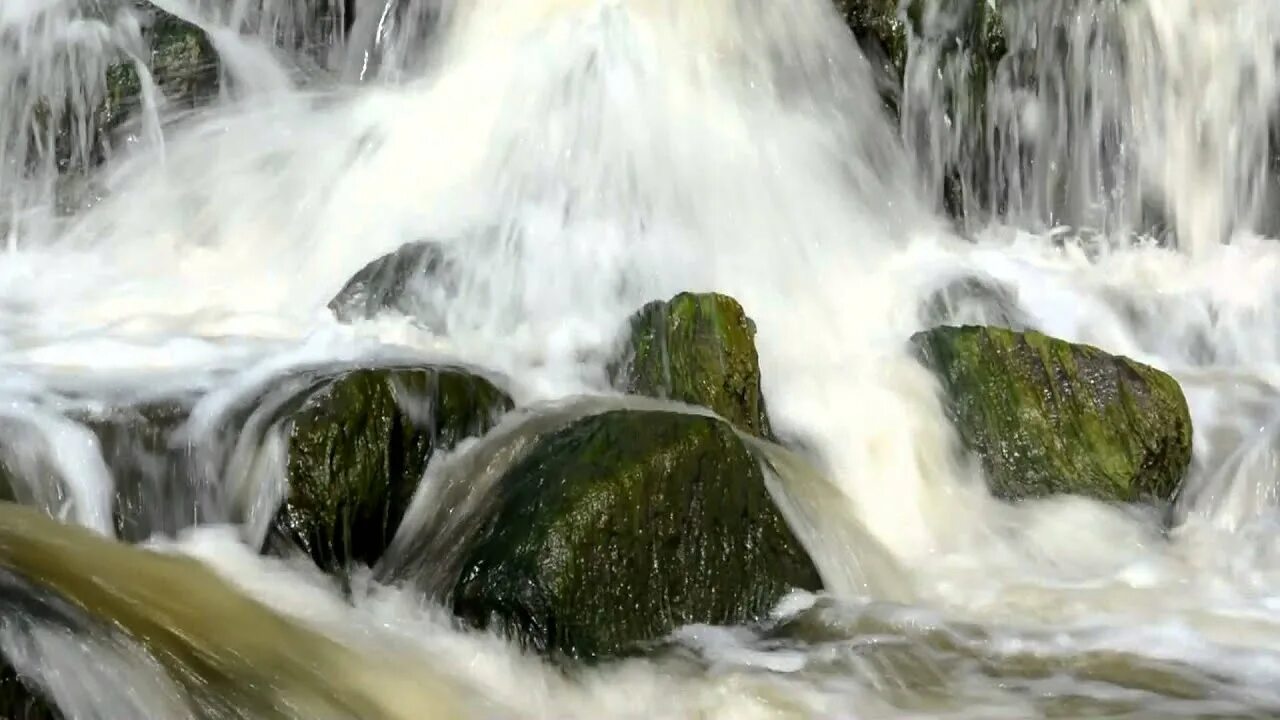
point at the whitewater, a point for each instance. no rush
(581, 158)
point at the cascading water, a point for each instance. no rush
(1105, 115)
(579, 158)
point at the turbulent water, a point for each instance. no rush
(584, 157)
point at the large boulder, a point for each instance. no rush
(697, 349)
(358, 442)
(621, 527)
(1047, 416)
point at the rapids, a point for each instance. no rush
(584, 157)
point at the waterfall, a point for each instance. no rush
(185, 184)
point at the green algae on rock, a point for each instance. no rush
(359, 442)
(182, 62)
(1046, 416)
(697, 349)
(961, 40)
(623, 526)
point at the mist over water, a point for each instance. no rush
(580, 158)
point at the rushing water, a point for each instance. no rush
(583, 157)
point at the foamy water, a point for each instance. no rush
(586, 157)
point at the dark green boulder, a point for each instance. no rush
(1047, 416)
(623, 526)
(697, 349)
(358, 443)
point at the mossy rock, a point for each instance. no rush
(621, 527)
(697, 349)
(880, 29)
(182, 62)
(358, 443)
(1047, 416)
(388, 284)
(970, 37)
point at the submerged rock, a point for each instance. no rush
(621, 527)
(697, 349)
(19, 701)
(387, 284)
(974, 300)
(156, 490)
(1047, 416)
(358, 442)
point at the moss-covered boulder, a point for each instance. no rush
(1047, 416)
(358, 442)
(183, 64)
(415, 280)
(181, 60)
(623, 526)
(697, 349)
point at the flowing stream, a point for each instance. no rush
(581, 158)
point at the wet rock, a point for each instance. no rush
(181, 60)
(621, 527)
(974, 300)
(157, 488)
(934, 61)
(358, 442)
(29, 473)
(697, 349)
(1045, 416)
(413, 281)
(19, 700)
(881, 31)
(89, 129)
